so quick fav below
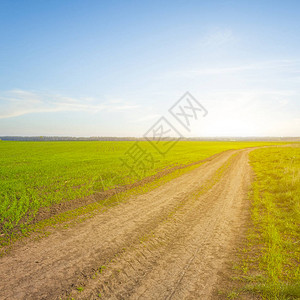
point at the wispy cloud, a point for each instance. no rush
(218, 37)
(146, 118)
(16, 103)
(256, 66)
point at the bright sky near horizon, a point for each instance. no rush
(112, 68)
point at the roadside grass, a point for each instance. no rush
(35, 175)
(270, 266)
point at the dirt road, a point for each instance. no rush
(170, 243)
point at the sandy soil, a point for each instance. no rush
(170, 243)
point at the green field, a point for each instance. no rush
(271, 265)
(34, 175)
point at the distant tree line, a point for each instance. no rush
(65, 138)
(71, 138)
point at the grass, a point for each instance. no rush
(35, 175)
(272, 266)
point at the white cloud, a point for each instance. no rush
(15, 103)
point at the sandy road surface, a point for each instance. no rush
(167, 244)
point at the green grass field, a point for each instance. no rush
(271, 267)
(34, 175)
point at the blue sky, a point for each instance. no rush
(111, 68)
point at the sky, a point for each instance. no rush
(113, 68)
